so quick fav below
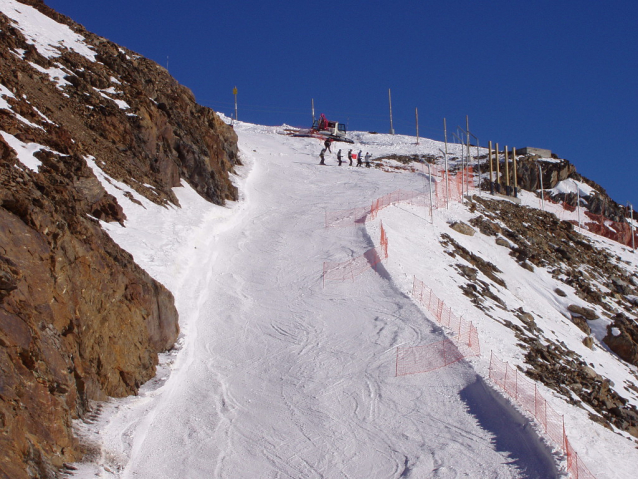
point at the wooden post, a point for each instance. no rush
(416, 112)
(515, 173)
(507, 172)
(498, 171)
(489, 149)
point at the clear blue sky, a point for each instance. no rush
(556, 74)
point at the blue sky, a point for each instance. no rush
(558, 74)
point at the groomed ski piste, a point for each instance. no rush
(277, 375)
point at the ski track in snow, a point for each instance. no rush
(278, 377)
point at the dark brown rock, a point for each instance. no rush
(581, 323)
(622, 338)
(79, 320)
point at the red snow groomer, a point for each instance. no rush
(323, 128)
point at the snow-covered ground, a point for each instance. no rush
(276, 376)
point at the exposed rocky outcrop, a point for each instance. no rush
(598, 278)
(622, 338)
(79, 320)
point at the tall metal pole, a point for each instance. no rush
(313, 110)
(430, 175)
(578, 200)
(235, 93)
(498, 172)
(540, 175)
(416, 112)
(478, 164)
(507, 172)
(447, 178)
(489, 149)
(390, 98)
(462, 165)
(633, 239)
(467, 130)
(515, 173)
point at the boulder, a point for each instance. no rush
(589, 342)
(581, 322)
(463, 228)
(622, 338)
(503, 242)
(587, 313)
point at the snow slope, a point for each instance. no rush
(276, 376)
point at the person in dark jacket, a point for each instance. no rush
(350, 156)
(359, 161)
(327, 144)
(339, 157)
(321, 155)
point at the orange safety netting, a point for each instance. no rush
(348, 270)
(526, 394)
(347, 217)
(360, 215)
(621, 232)
(453, 187)
(464, 343)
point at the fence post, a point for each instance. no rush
(516, 384)
(491, 357)
(397, 364)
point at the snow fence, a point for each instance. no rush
(349, 270)
(464, 342)
(621, 232)
(525, 393)
(446, 187)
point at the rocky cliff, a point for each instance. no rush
(79, 320)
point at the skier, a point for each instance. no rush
(339, 157)
(327, 144)
(359, 162)
(350, 156)
(368, 156)
(323, 151)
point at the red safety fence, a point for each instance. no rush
(465, 332)
(453, 187)
(349, 270)
(526, 394)
(422, 359)
(600, 225)
(613, 230)
(353, 216)
(400, 196)
(464, 342)
(347, 217)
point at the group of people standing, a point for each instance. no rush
(359, 156)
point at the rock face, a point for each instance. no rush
(79, 320)
(622, 338)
